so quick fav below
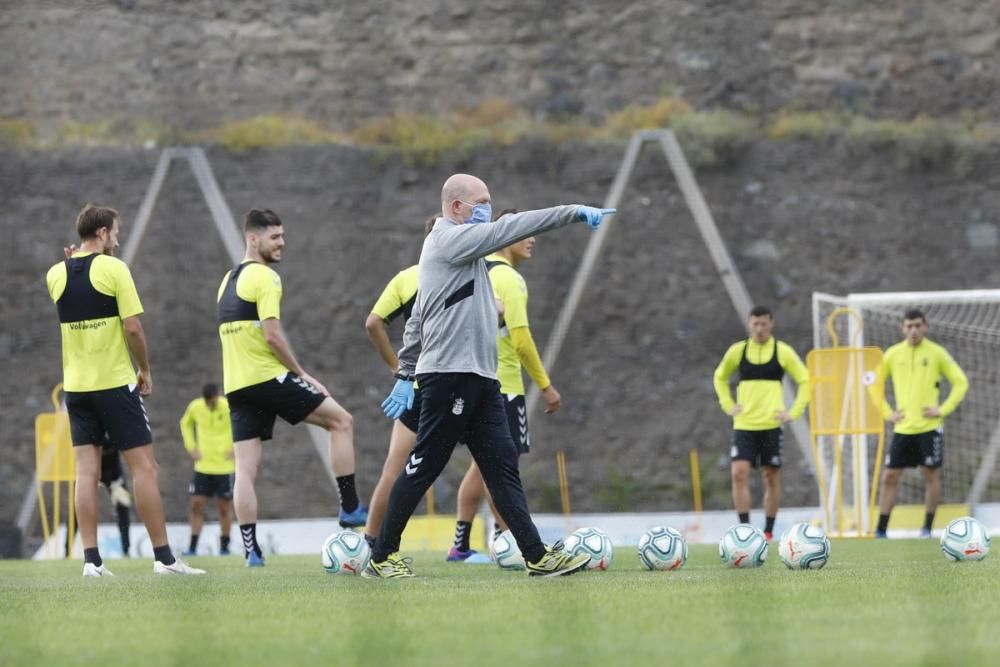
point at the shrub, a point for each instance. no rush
(266, 131)
(712, 138)
(16, 133)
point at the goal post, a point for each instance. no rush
(967, 324)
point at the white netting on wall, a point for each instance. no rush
(967, 324)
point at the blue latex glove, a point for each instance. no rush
(400, 399)
(593, 216)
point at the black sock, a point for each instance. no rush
(92, 555)
(224, 543)
(462, 530)
(193, 546)
(883, 522)
(164, 555)
(348, 494)
(370, 539)
(744, 517)
(124, 522)
(928, 520)
(249, 533)
(769, 524)
(496, 530)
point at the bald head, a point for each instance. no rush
(458, 192)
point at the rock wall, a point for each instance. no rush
(198, 63)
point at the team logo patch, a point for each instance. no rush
(458, 407)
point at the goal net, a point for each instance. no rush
(967, 324)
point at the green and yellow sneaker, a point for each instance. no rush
(557, 563)
(392, 567)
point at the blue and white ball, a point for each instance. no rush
(345, 552)
(662, 548)
(743, 546)
(965, 539)
(593, 543)
(506, 553)
(804, 547)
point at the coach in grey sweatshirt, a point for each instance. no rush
(450, 346)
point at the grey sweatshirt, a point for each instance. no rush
(453, 326)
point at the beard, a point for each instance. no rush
(269, 256)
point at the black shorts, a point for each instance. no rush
(411, 418)
(917, 449)
(114, 418)
(111, 466)
(517, 420)
(252, 409)
(760, 448)
(203, 484)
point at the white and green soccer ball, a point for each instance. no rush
(804, 547)
(506, 553)
(965, 539)
(593, 543)
(345, 552)
(662, 548)
(743, 546)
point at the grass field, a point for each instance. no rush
(892, 602)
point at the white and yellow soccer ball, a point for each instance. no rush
(506, 553)
(662, 548)
(743, 546)
(804, 547)
(965, 539)
(345, 552)
(594, 543)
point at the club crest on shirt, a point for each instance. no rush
(458, 406)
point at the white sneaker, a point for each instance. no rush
(91, 570)
(178, 567)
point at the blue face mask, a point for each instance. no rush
(480, 213)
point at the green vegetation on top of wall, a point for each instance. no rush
(711, 137)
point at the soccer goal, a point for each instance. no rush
(967, 324)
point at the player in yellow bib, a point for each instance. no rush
(916, 366)
(758, 412)
(515, 349)
(263, 379)
(208, 439)
(99, 312)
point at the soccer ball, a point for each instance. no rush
(594, 543)
(506, 552)
(965, 539)
(743, 546)
(662, 548)
(804, 547)
(345, 553)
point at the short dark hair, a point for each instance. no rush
(761, 311)
(257, 219)
(915, 314)
(209, 390)
(429, 223)
(503, 212)
(92, 218)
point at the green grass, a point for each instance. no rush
(896, 602)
